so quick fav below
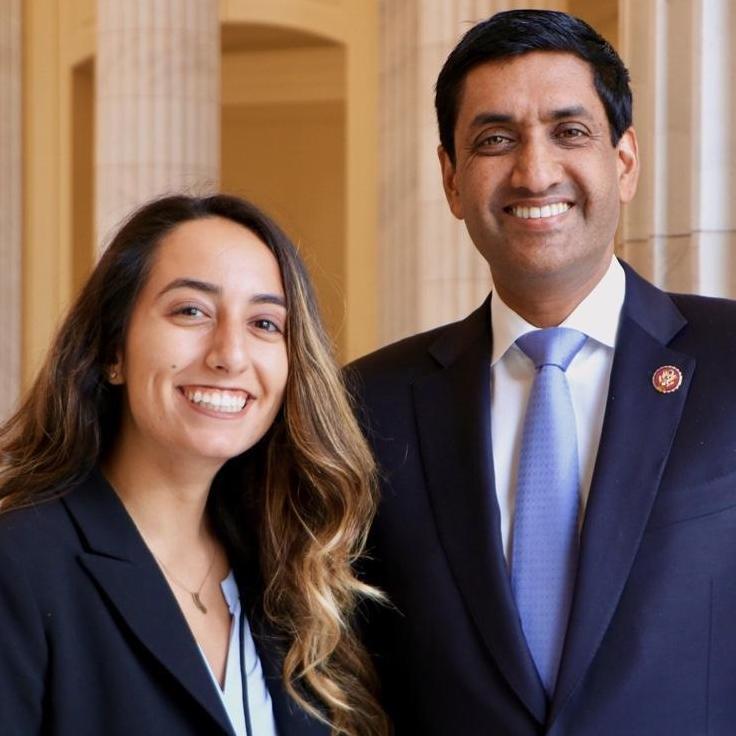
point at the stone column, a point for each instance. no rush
(681, 229)
(430, 272)
(158, 103)
(10, 203)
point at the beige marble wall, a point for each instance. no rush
(157, 97)
(601, 14)
(283, 35)
(681, 229)
(10, 202)
(429, 272)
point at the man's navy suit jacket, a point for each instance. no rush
(651, 642)
(92, 641)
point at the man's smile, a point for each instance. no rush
(535, 213)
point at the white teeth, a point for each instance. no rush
(536, 213)
(223, 401)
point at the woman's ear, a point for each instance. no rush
(114, 373)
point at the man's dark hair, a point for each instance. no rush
(517, 32)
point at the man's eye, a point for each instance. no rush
(494, 141)
(571, 133)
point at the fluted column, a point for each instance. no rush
(158, 103)
(430, 272)
(680, 231)
(10, 203)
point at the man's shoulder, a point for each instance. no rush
(694, 323)
(380, 383)
(711, 322)
(399, 354)
(695, 306)
(403, 361)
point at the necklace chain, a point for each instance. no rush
(194, 594)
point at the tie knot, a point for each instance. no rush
(552, 346)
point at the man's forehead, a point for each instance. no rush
(532, 59)
(554, 80)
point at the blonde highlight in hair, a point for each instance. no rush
(317, 530)
(311, 493)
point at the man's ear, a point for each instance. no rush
(449, 182)
(628, 165)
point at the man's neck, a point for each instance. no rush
(548, 302)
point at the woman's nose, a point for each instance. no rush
(228, 351)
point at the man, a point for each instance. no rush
(611, 611)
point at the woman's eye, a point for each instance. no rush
(190, 311)
(267, 325)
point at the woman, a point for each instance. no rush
(183, 493)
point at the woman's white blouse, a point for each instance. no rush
(259, 699)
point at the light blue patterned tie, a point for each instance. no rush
(545, 536)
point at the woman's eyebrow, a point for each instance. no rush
(196, 284)
(209, 288)
(276, 299)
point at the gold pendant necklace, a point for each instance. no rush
(198, 602)
(193, 594)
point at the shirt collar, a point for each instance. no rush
(230, 590)
(597, 316)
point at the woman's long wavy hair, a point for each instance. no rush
(310, 492)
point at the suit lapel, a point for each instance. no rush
(638, 431)
(453, 416)
(127, 575)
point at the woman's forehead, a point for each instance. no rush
(217, 251)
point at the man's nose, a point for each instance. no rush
(537, 167)
(228, 351)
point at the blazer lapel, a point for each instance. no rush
(638, 431)
(127, 575)
(453, 416)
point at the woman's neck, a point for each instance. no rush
(167, 501)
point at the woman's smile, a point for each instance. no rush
(215, 401)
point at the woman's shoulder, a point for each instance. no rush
(43, 529)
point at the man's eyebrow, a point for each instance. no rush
(195, 284)
(575, 111)
(488, 118)
(491, 118)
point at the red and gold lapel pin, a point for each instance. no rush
(667, 378)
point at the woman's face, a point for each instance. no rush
(204, 364)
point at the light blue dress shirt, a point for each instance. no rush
(259, 699)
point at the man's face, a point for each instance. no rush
(536, 178)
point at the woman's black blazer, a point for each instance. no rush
(92, 641)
